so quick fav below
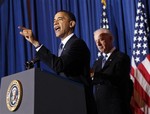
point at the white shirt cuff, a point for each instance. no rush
(37, 49)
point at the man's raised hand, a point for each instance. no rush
(27, 33)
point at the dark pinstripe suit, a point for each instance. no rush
(111, 84)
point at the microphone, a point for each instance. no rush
(30, 64)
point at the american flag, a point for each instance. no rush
(103, 20)
(140, 63)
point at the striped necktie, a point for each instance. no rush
(60, 49)
(104, 60)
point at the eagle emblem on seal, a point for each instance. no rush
(14, 95)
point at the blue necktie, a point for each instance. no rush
(103, 57)
(60, 49)
(104, 60)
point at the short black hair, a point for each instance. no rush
(70, 14)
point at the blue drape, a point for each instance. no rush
(38, 15)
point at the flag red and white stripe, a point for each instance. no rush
(140, 63)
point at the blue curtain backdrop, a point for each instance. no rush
(38, 15)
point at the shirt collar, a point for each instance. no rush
(108, 54)
(66, 39)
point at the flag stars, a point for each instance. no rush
(104, 14)
(139, 45)
(133, 52)
(134, 38)
(106, 26)
(138, 11)
(137, 18)
(141, 50)
(137, 59)
(104, 20)
(145, 21)
(139, 4)
(136, 25)
(144, 33)
(104, 7)
(141, 18)
(137, 52)
(145, 38)
(139, 38)
(134, 46)
(145, 16)
(147, 29)
(141, 25)
(144, 45)
(135, 32)
(144, 52)
(143, 6)
(140, 31)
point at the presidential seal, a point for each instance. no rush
(14, 95)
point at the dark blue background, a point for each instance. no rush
(38, 15)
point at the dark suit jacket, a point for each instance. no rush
(111, 84)
(74, 62)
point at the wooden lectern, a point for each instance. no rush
(41, 93)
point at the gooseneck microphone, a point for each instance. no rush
(30, 64)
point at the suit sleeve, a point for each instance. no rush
(72, 58)
(50, 59)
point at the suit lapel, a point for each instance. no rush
(98, 64)
(67, 45)
(110, 59)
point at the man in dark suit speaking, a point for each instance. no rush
(111, 76)
(73, 59)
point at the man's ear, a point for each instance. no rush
(72, 24)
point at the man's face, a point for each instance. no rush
(103, 41)
(62, 25)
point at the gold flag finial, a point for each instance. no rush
(103, 2)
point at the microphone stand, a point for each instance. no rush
(30, 64)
